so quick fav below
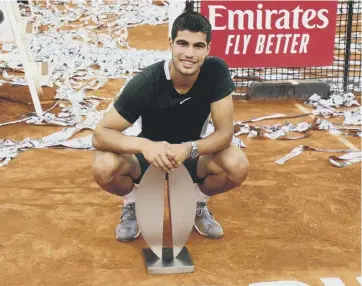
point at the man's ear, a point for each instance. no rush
(208, 48)
(170, 43)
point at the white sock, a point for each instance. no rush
(201, 197)
(130, 198)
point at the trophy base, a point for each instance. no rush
(168, 265)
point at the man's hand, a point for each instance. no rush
(160, 155)
(179, 153)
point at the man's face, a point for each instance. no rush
(189, 50)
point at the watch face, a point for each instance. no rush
(194, 153)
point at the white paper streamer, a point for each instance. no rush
(352, 156)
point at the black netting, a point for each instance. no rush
(345, 73)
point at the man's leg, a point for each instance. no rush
(222, 171)
(116, 174)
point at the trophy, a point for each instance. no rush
(150, 205)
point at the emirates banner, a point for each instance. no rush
(272, 33)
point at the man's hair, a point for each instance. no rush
(193, 22)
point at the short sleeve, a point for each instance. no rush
(130, 103)
(224, 84)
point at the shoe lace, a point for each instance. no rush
(202, 210)
(128, 214)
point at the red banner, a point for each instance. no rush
(272, 33)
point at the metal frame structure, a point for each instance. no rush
(20, 30)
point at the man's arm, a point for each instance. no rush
(222, 116)
(127, 108)
(108, 135)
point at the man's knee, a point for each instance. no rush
(104, 166)
(236, 166)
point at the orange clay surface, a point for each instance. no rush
(298, 221)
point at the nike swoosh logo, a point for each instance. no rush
(185, 100)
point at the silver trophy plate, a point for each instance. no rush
(181, 197)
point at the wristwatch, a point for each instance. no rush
(194, 152)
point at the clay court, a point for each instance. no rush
(299, 221)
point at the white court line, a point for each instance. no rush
(332, 282)
(341, 139)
